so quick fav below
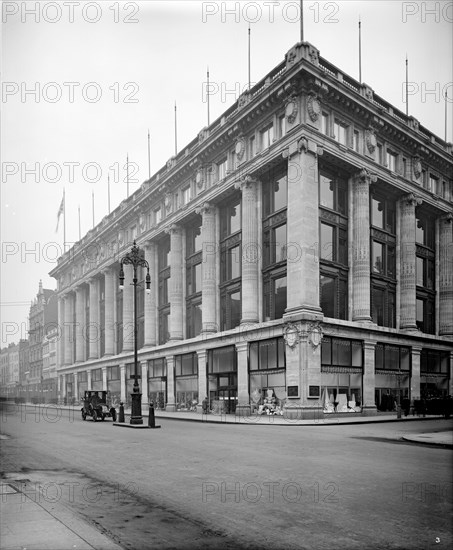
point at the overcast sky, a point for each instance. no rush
(128, 63)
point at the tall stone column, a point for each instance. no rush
(89, 385)
(128, 309)
(151, 298)
(68, 326)
(407, 272)
(109, 311)
(361, 304)
(171, 405)
(250, 250)
(303, 230)
(208, 269)
(243, 407)
(80, 325)
(368, 401)
(63, 389)
(446, 275)
(202, 379)
(94, 329)
(415, 374)
(176, 283)
(123, 383)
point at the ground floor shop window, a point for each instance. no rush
(434, 373)
(341, 391)
(392, 376)
(186, 393)
(157, 382)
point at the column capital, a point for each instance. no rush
(174, 229)
(411, 199)
(364, 176)
(149, 244)
(246, 181)
(446, 218)
(107, 270)
(241, 346)
(205, 208)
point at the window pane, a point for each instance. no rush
(197, 278)
(377, 213)
(326, 351)
(280, 243)
(430, 274)
(343, 299)
(378, 306)
(327, 242)
(419, 314)
(280, 297)
(419, 269)
(235, 309)
(391, 261)
(356, 354)
(254, 356)
(342, 247)
(378, 251)
(379, 356)
(326, 186)
(234, 259)
(328, 296)
(280, 193)
(234, 218)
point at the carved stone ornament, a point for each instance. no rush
(199, 178)
(291, 335)
(417, 167)
(371, 141)
(243, 99)
(142, 222)
(240, 148)
(315, 334)
(167, 203)
(291, 110)
(313, 108)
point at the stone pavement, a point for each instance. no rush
(29, 522)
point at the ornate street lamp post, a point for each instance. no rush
(135, 259)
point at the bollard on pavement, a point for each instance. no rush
(121, 415)
(151, 417)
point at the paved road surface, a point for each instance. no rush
(193, 485)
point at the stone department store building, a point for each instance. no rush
(300, 247)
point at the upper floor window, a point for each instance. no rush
(383, 213)
(230, 218)
(433, 184)
(282, 125)
(340, 132)
(276, 192)
(333, 192)
(325, 124)
(391, 159)
(425, 232)
(252, 148)
(194, 241)
(222, 167)
(267, 137)
(186, 195)
(157, 215)
(356, 143)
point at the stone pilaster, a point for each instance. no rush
(202, 379)
(303, 230)
(68, 326)
(176, 283)
(80, 324)
(243, 407)
(75, 391)
(450, 387)
(407, 271)
(123, 383)
(446, 275)
(94, 329)
(208, 269)
(361, 306)
(89, 385)
(61, 336)
(151, 298)
(104, 378)
(63, 389)
(110, 305)
(171, 405)
(368, 401)
(415, 374)
(144, 383)
(250, 250)
(128, 308)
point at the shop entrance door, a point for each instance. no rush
(223, 393)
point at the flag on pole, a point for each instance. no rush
(60, 212)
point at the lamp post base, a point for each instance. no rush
(136, 409)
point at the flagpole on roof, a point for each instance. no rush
(207, 91)
(80, 232)
(64, 220)
(407, 84)
(176, 131)
(301, 20)
(249, 54)
(127, 173)
(360, 50)
(149, 158)
(445, 115)
(92, 201)
(108, 191)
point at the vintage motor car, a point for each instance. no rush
(97, 405)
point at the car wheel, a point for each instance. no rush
(95, 416)
(84, 415)
(114, 415)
